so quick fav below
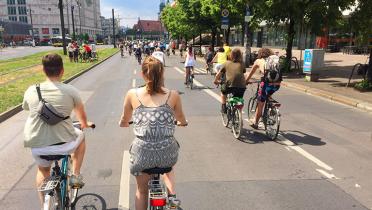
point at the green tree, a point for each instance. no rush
(317, 15)
(361, 21)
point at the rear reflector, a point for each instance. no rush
(158, 202)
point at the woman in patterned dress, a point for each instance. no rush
(154, 109)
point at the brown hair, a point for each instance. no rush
(52, 64)
(265, 53)
(236, 56)
(153, 71)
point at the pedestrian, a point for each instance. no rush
(153, 109)
(70, 49)
(76, 52)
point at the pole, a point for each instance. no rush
(247, 41)
(73, 22)
(79, 4)
(68, 18)
(32, 28)
(60, 4)
(113, 27)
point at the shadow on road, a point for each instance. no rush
(253, 137)
(90, 201)
(300, 138)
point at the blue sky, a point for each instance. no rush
(130, 10)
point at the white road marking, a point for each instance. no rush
(135, 71)
(326, 174)
(134, 83)
(196, 82)
(289, 144)
(307, 155)
(124, 183)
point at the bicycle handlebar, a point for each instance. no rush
(77, 124)
(175, 122)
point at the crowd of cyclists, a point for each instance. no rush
(146, 107)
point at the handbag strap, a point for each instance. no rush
(38, 92)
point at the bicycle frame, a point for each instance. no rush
(158, 195)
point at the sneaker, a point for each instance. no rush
(76, 181)
(174, 203)
(254, 125)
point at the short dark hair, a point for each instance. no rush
(52, 64)
(221, 49)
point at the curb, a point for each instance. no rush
(365, 106)
(18, 108)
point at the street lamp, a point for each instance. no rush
(32, 27)
(73, 22)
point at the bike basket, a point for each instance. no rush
(49, 184)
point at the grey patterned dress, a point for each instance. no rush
(154, 145)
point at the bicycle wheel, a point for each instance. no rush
(252, 106)
(272, 122)
(237, 123)
(225, 118)
(191, 82)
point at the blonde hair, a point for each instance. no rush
(153, 71)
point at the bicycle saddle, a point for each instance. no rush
(52, 157)
(157, 170)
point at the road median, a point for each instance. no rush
(17, 96)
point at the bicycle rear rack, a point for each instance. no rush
(49, 184)
(157, 193)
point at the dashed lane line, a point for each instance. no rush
(134, 83)
(285, 141)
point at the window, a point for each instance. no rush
(55, 31)
(21, 1)
(11, 2)
(36, 31)
(23, 19)
(22, 11)
(12, 11)
(13, 18)
(45, 30)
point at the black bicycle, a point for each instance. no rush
(58, 193)
(271, 114)
(233, 114)
(190, 79)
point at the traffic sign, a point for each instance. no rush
(225, 20)
(225, 13)
(224, 26)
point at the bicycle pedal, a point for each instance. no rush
(49, 184)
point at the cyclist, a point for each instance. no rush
(158, 54)
(138, 53)
(227, 49)
(59, 139)
(189, 64)
(233, 70)
(266, 88)
(209, 57)
(220, 58)
(154, 110)
(121, 46)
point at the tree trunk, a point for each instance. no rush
(193, 39)
(242, 33)
(291, 34)
(369, 70)
(200, 40)
(227, 35)
(213, 38)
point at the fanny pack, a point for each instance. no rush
(47, 112)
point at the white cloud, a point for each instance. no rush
(128, 17)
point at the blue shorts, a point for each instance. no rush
(266, 91)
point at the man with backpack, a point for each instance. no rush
(268, 65)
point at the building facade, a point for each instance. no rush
(107, 29)
(45, 16)
(149, 29)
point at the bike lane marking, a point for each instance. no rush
(124, 183)
(285, 141)
(134, 83)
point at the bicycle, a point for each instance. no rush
(210, 68)
(59, 195)
(190, 80)
(270, 116)
(157, 191)
(233, 114)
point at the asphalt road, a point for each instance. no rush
(320, 161)
(22, 51)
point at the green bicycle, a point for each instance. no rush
(233, 114)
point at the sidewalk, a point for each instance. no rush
(333, 79)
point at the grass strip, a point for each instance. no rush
(11, 94)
